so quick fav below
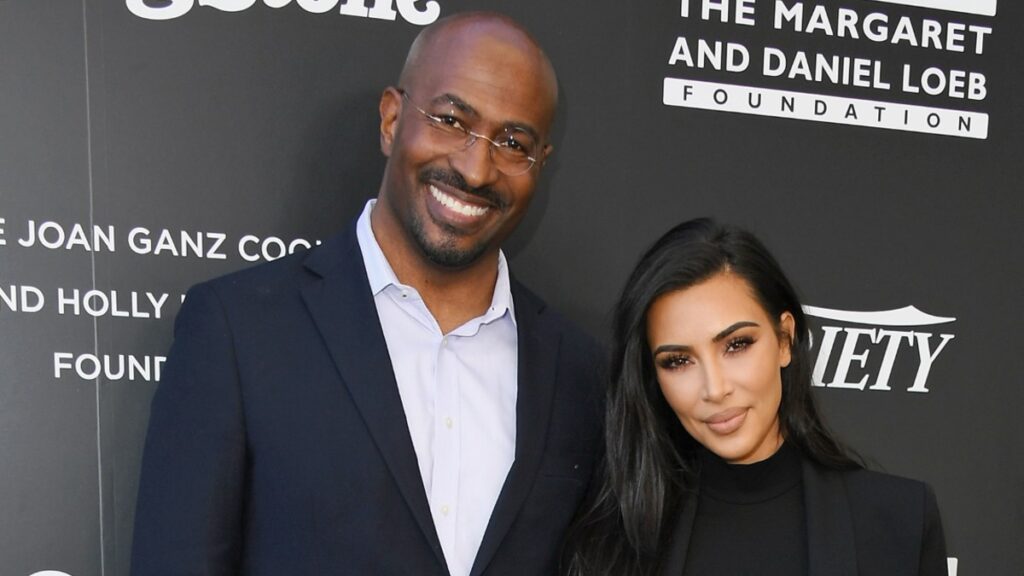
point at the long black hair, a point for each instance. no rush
(623, 527)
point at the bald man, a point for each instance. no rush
(392, 402)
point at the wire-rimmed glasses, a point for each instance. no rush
(513, 151)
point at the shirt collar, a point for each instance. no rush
(381, 275)
(378, 270)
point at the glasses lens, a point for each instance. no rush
(512, 151)
(515, 151)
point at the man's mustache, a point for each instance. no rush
(455, 180)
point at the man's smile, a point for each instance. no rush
(452, 203)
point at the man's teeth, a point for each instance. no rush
(452, 203)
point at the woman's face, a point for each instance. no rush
(718, 358)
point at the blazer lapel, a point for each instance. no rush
(342, 307)
(675, 556)
(537, 365)
(830, 544)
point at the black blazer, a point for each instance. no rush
(278, 446)
(859, 523)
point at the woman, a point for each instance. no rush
(718, 461)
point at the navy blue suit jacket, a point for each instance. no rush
(278, 445)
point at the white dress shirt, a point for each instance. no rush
(459, 395)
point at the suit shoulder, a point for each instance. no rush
(879, 499)
(871, 484)
(898, 519)
(266, 282)
(259, 278)
(573, 336)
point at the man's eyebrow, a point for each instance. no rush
(524, 128)
(725, 333)
(464, 107)
(460, 104)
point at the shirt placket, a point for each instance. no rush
(447, 453)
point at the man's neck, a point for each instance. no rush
(453, 296)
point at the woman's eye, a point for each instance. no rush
(739, 344)
(673, 362)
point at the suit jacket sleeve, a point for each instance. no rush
(933, 542)
(189, 507)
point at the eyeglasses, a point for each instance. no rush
(513, 151)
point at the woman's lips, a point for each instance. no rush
(727, 421)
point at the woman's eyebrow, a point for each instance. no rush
(725, 333)
(670, 348)
(717, 338)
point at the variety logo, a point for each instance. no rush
(382, 9)
(859, 350)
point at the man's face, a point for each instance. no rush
(453, 203)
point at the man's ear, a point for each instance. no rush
(390, 108)
(548, 149)
(787, 324)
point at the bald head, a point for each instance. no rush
(465, 32)
(466, 133)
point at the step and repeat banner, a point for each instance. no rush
(875, 145)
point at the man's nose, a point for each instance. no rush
(475, 162)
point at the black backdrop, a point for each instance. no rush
(248, 128)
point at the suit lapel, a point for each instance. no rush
(537, 365)
(675, 556)
(830, 544)
(342, 307)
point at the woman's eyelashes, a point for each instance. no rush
(677, 360)
(673, 361)
(738, 344)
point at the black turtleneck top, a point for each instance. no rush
(750, 518)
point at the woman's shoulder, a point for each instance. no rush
(872, 484)
(891, 496)
(880, 499)
(888, 504)
(895, 520)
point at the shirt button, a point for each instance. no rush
(448, 422)
(405, 294)
(444, 341)
(444, 510)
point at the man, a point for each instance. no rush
(392, 402)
